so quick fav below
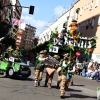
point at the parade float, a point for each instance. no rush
(9, 64)
(14, 69)
(70, 42)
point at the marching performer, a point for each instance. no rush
(49, 78)
(64, 70)
(59, 74)
(72, 69)
(39, 68)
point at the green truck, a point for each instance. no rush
(14, 69)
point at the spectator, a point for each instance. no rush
(84, 68)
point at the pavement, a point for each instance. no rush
(23, 89)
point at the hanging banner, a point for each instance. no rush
(17, 22)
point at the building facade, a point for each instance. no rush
(5, 11)
(8, 12)
(27, 36)
(17, 32)
(88, 19)
(87, 14)
(36, 40)
(45, 35)
(19, 37)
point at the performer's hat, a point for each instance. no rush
(17, 48)
(45, 51)
(56, 56)
(66, 55)
(42, 52)
(9, 48)
(74, 20)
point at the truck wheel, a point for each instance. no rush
(11, 73)
(29, 73)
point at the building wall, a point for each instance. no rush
(45, 35)
(36, 40)
(5, 12)
(19, 37)
(27, 39)
(89, 19)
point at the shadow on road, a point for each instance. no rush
(19, 78)
(23, 79)
(80, 96)
(78, 85)
(73, 90)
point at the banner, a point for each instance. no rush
(11, 59)
(54, 49)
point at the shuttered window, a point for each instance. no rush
(97, 1)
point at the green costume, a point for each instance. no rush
(17, 55)
(5, 55)
(40, 62)
(64, 66)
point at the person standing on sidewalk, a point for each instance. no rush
(39, 68)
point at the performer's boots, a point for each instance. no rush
(71, 81)
(66, 85)
(57, 85)
(71, 84)
(36, 83)
(49, 86)
(62, 94)
(45, 84)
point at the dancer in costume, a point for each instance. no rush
(49, 78)
(39, 68)
(59, 76)
(17, 55)
(64, 70)
(72, 70)
(45, 52)
(73, 29)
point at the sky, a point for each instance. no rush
(45, 12)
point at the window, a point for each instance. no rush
(81, 11)
(92, 24)
(99, 20)
(91, 4)
(85, 7)
(97, 1)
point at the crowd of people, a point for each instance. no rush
(65, 69)
(90, 70)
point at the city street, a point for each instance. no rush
(23, 89)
